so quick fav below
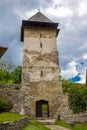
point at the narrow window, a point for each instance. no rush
(40, 44)
(41, 73)
(40, 35)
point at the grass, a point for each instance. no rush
(9, 116)
(34, 125)
(62, 123)
(77, 126)
(44, 107)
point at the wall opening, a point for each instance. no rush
(42, 108)
(40, 35)
(41, 74)
(41, 44)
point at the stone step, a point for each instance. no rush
(47, 121)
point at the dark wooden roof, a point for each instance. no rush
(38, 21)
(2, 51)
(39, 17)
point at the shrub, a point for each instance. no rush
(5, 105)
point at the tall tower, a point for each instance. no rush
(41, 89)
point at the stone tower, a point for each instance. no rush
(41, 89)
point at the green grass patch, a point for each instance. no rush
(34, 125)
(44, 107)
(77, 126)
(62, 123)
(9, 116)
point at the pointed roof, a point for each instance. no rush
(38, 21)
(2, 51)
(39, 17)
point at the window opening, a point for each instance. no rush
(40, 35)
(41, 73)
(41, 44)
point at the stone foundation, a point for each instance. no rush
(68, 116)
(11, 93)
(14, 125)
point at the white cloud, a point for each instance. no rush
(85, 56)
(72, 39)
(59, 12)
(83, 78)
(83, 46)
(70, 70)
(82, 8)
(25, 15)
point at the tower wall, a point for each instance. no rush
(40, 72)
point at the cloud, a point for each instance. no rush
(70, 70)
(82, 8)
(85, 56)
(72, 39)
(59, 12)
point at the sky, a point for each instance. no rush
(72, 39)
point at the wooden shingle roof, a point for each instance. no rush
(39, 17)
(2, 51)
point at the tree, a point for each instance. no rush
(78, 99)
(16, 75)
(5, 72)
(77, 96)
(6, 66)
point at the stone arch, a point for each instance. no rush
(42, 108)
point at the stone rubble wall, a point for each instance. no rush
(14, 125)
(11, 93)
(68, 116)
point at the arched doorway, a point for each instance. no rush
(42, 108)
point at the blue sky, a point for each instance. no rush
(72, 40)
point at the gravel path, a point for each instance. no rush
(55, 127)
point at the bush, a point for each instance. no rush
(5, 105)
(16, 75)
(78, 99)
(77, 96)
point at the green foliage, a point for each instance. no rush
(5, 69)
(78, 99)
(77, 96)
(5, 105)
(16, 75)
(44, 107)
(6, 74)
(66, 85)
(34, 125)
(5, 66)
(9, 116)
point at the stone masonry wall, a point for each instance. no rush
(11, 93)
(68, 116)
(14, 125)
(47, 91)
(40, 71)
